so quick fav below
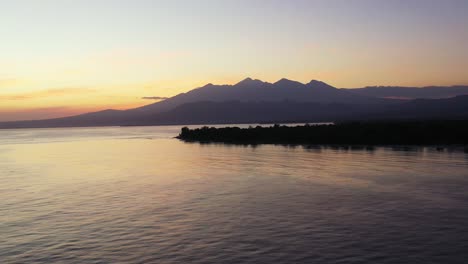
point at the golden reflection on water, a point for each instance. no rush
(161, 161)
(132, 196)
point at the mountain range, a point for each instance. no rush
(254, 101)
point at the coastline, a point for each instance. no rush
(437, 134)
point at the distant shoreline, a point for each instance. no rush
(172, 124)
(385, 133)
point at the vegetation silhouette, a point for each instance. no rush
(350, 133)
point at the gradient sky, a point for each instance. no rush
(62, 57)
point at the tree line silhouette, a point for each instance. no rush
(351, 133)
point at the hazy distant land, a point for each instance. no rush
(255, 101)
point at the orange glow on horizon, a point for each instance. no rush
(30, 104)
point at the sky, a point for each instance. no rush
(64, 57)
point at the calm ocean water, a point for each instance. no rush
(136, 195)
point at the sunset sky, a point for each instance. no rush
(63, 57)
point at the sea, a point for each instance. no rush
(138, 195)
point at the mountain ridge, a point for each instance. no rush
(256, 90)
(294, 98)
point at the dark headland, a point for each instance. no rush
(439, 133)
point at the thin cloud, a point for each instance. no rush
(46, 93)
(8, 82)
(154, 98)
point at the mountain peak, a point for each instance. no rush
(249, 81)
(319, 84)
(316, 82)
(287, 82)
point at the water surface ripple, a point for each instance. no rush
(135, 195)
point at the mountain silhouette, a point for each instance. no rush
(252, 100)
(251, 90)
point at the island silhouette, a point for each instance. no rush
(440, 133)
